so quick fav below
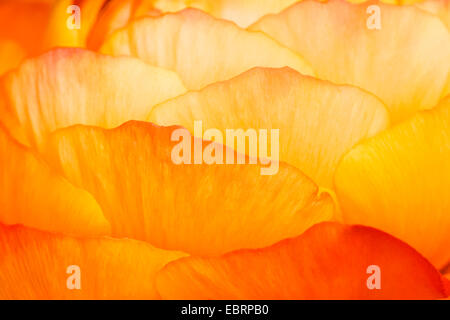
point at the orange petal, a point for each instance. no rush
(399, 182)
(33, 195)
(24, 23)
(11, 54)
(61, 88)
(242, 12)
(201, 49)
(39, 265)
(117, 14)
(62, 30)
(318, 121)
(329, 261)
(406, 63)
(196, 208)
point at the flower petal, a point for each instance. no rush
(441, 8)
(242, 12)
(399, 182)
(329, 261)
(318, 121)
(201, 49)
(397, 2)
(117, 14)
(34, 265)
(60, 88)
(60, 33)
(24, 23)
(11, 54)
(406, 63)
(33, 195)
(195, 208)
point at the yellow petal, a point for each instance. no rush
(441, 8)
(195, 208)
(242, 12)
(117, 14)
(39, 265)
(318, 121)
(63, 31)
(329, 261)
(74, 86)
(399, 182)
(201, 49)
(406, 62)
(34, 195)
(397, 2)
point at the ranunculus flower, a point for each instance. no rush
(93, 205)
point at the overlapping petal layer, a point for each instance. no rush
(91, 180)
(117, 14)
(329, 261)
(70, 22)
(196, 208)
(318, 121)
(247, 12)
(34, 195)
(242, 12)
(61, 88)
(34, 265)
(201, 49)
(441, 8)
(406, 62)
(399, 182)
